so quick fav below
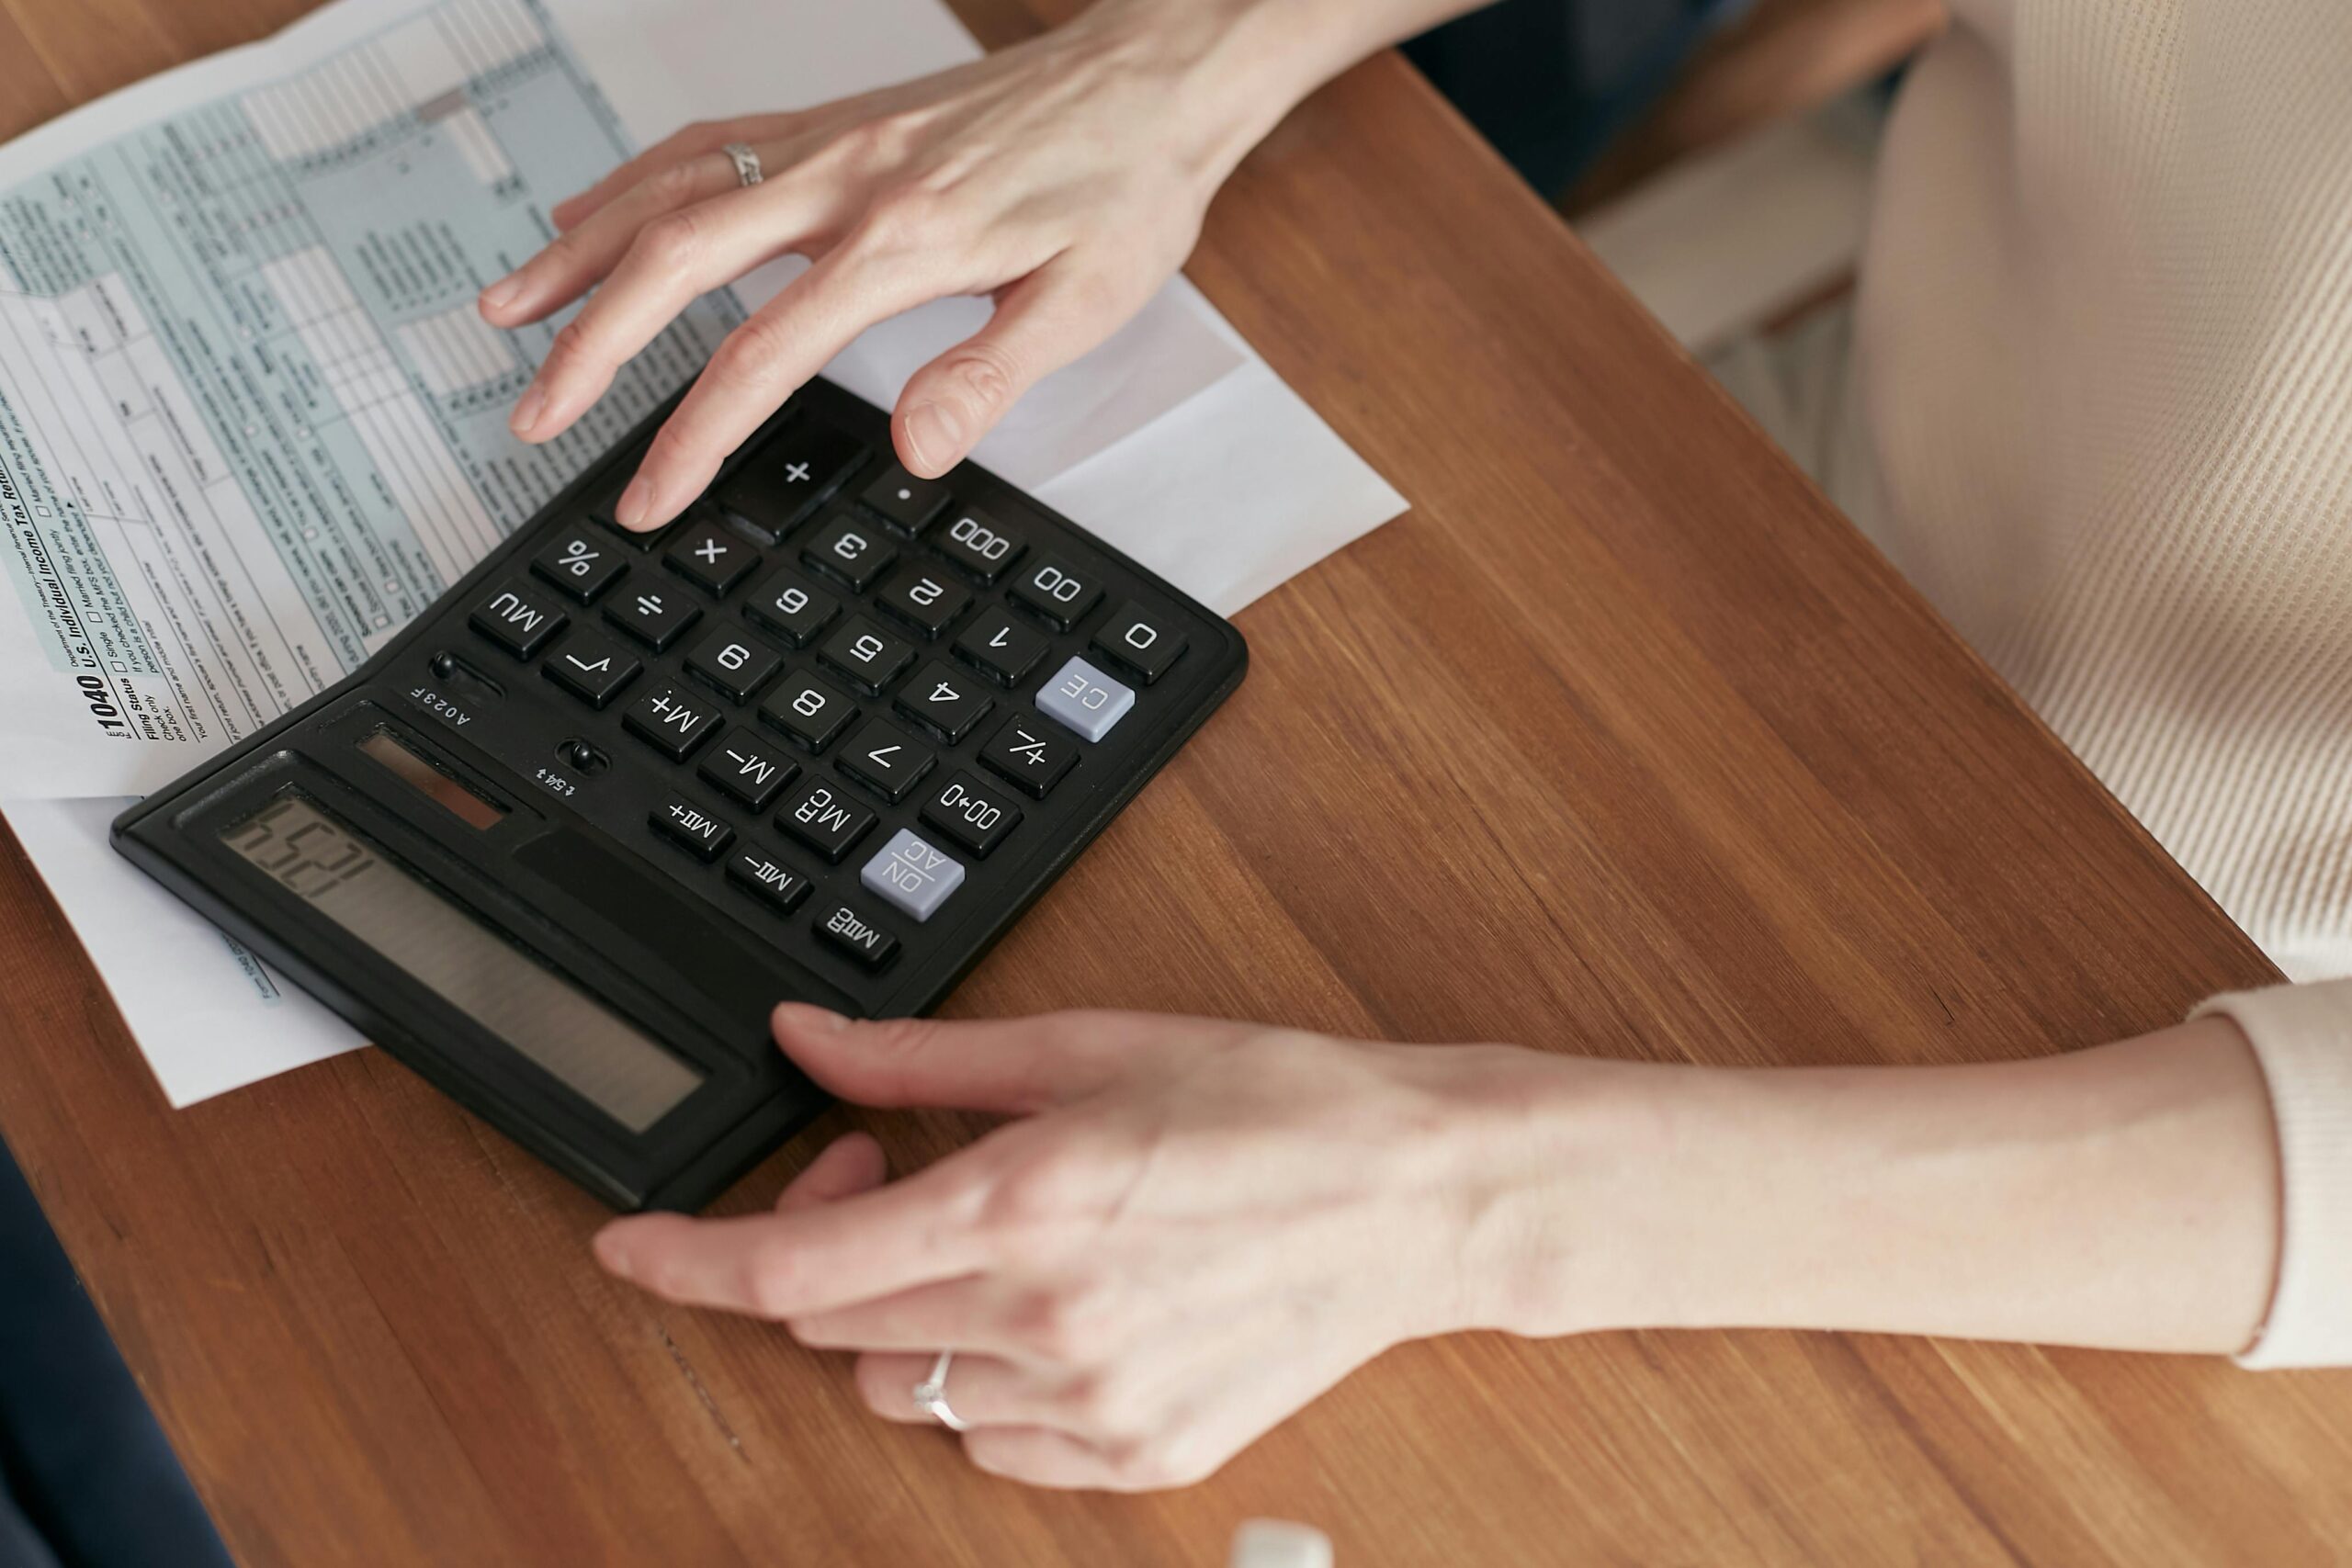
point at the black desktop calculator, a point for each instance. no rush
(564, 841)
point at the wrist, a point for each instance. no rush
(1236, 66)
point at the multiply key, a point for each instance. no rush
(691, 827)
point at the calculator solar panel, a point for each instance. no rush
(564, 841)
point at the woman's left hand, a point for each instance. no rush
(1194, 1228)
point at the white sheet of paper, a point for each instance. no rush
(1173, 440)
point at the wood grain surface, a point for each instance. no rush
(1621, 741)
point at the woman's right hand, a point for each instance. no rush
(1067, 176)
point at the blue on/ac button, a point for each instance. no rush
(1085, 701)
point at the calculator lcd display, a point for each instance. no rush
(359, 888)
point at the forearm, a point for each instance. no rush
(2124, 1197)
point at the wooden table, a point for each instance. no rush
(1621, 743)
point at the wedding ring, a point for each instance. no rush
(747, 162)
(931, 1395)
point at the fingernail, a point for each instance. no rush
(504, 292)
(613, 1255)
(933, 436)
(810, 1020)
(526, 412)
(635, 503)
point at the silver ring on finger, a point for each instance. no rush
(931, 1395)
(746, 161)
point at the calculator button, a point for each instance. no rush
(1138, 640)
(978, 544)
(591, 667)
(581, 562)
(1000, 648)
(769, 880)
(887, 758)
(711, 559)
(790, 605)
(691, 827)
(653, 615)
(909, 502)
(825, 819)
(518, 617)
(925, 602)
(1057, 590)
(1082, 699)
(733, 663)
(781, 483)
(869, 656)
(844, 929)
(748, 769)
(808, 710)
(944, 700)
(850, 550)
(910, 876)
(1030, 756)
(672, 720)
(974, 815)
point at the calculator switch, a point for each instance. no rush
(733, 664)
(869, 656)
(1136, 640)
(581, 562)
(909, 502)
(780, 485)
(1000, 648)
(945, 702)
(885, 759)
(1057, 590)
(792, 606)
(518, 617)
(711, 559)
(671, 721)
(975, 542)
(746, 768)
(655, 614)
(974, 815)
(851, 551)
(691, 827)
(825, 819)
(1085, 701)
(591, 667)
(911, 876)
(1028, 755)
(847, 931)
(927, 601)
(769, 880)
(808, 711)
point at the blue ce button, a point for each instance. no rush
(1085, 701)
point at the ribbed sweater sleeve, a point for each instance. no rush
(2302, 1036)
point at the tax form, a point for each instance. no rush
(250, 421)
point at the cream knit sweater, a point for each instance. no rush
(2104, 372)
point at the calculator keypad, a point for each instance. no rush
(886, 655)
